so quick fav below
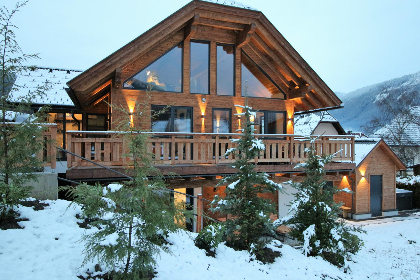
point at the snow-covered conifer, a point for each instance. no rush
(314, 216)
(248, 214)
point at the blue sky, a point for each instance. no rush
(350, 44)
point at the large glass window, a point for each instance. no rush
(255, 83)
(172, 119)
(225, 70)
(164, 74)
(222, 120)
(199, 73)
(268, 122)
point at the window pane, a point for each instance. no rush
(199, 74)
(255, 83)
(275, 123)
(225, 70)
(259, 123)
(161, 121)
(165, 74)
(221, 121)
(182, 119)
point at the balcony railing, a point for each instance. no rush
(110, 149)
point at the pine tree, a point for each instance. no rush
(249, 214)
(133, 218)
(20, 142)
(314, 216)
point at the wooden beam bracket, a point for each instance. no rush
(117, 78)
(191, 27)
(300, 91)
(245, 35)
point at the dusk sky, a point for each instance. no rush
(350, 44)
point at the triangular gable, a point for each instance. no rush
(255, 35)
(367, 146)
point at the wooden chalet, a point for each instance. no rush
(202, 61)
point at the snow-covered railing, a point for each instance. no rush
(110, 149)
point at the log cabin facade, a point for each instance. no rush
(202, 61)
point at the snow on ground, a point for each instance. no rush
(49, 248)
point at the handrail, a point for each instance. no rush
(201, 148)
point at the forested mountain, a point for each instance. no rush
(363, 105)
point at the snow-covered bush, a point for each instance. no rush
(315, 216)
(210, 237)
(249, 214)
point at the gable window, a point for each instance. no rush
(222, 119)
(164, 74)
(270, 122)
(199, 67)
(173, 119)
(225, 70)
(256, 83)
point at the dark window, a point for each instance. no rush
(96, 122)
(225, 70)
(255, 83)
(222, 119)
(199, 74)
(173, 119)
(164, 74)
(268, 122)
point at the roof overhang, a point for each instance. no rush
(255, 35)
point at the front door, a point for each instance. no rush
(376, 195)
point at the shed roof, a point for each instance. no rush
(255, 35)
(363, 147)
(56, 80)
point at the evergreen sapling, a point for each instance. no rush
(314, 216)
(248, 214)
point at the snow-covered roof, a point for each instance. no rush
(231, 3)
(305, 124)
(363, 147)
(38, 76)
(410, 131)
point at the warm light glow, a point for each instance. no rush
(202, 121)
(252, 118)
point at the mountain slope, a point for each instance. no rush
(360, 107)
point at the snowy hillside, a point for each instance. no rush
(359, 105)
(49, 248)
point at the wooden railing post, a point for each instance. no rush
(199, 225)
(52, 147)
(69, 148)
(216, 151)
(173, 150)
(291, 155)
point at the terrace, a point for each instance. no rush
(195, 154)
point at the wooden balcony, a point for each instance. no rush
(200, 153)
(47, 155)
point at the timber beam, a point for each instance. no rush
(245, 35)
(299, 91)
(191, 27)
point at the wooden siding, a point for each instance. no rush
(376, 163)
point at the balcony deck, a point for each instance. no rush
(198, 154)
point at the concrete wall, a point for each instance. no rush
(46, 187)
